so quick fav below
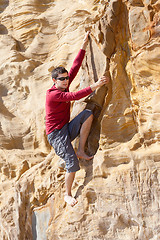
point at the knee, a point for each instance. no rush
(90, 114)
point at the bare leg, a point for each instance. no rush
(69, 178)
(85, 129)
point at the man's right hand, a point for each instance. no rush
(101, 81)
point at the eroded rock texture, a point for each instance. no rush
(118, 192)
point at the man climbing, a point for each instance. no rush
(59, 130)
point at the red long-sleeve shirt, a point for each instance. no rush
(58, 102)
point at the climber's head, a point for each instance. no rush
(58, 70)
(60, 78)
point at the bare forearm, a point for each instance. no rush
(84, 45)
(85, 41)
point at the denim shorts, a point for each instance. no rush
(60, 140)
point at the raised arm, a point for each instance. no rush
(85, 41)
(78, 60)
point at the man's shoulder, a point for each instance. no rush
(50, 93)
(52, 89)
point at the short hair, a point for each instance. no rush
(58, 70)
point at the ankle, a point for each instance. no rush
(68, 194)
(80, 150)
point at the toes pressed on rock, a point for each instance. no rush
(83, 155)
(70, 200)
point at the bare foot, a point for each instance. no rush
(70, 200)
(83, 155)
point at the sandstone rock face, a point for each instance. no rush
(118, 192)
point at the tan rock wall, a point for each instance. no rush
(118, 192)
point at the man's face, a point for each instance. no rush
(62, 81)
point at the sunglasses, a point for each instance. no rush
(63, 78)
